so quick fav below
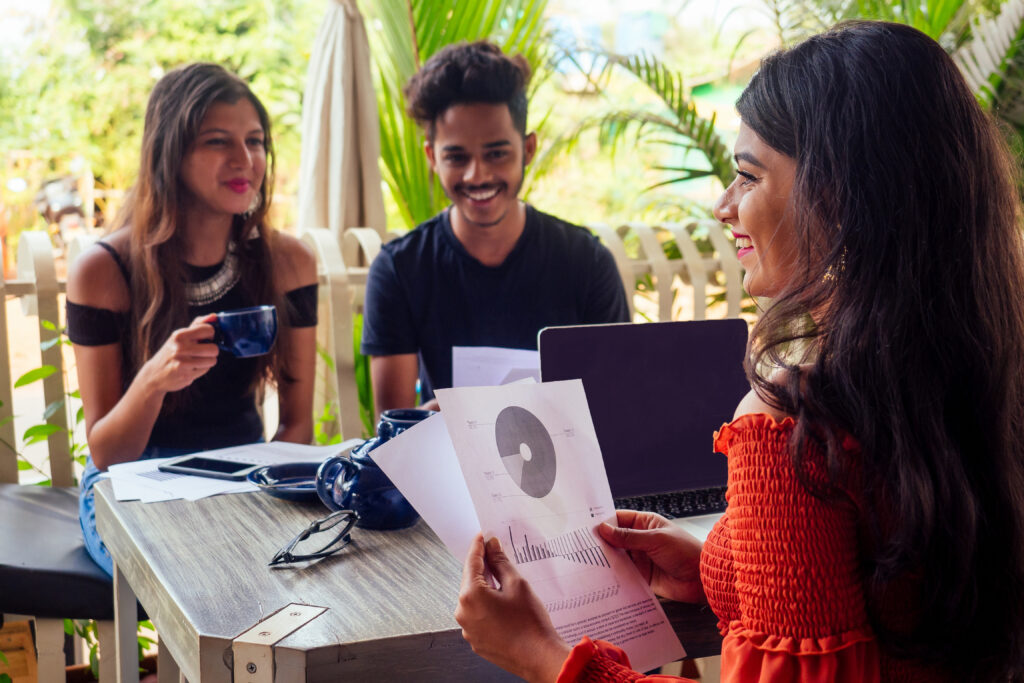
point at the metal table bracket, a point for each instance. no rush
(253, 651)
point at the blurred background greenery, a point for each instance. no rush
(633, 106)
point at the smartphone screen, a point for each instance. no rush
(208, 467)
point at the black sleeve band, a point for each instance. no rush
(302, 306)
(91, 326)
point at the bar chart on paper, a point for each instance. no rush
(576, 546)
(578, 567)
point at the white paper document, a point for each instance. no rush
(530, 472)
(487, 366)
(143, 480)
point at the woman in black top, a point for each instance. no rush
(192, 240)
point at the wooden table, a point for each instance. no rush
(199, 568)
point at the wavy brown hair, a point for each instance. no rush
(911, 271)
(154, 214)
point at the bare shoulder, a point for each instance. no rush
(294, 262)
(94, 279)
(752, 404)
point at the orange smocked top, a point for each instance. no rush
(782, 571)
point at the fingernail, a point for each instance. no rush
(493, 543)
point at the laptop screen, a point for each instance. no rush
(657, 393)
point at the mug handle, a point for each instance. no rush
(328, 469)
(218, 335)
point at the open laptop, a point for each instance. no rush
(657, 393)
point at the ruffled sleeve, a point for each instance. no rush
(596, 661)
(796, 609)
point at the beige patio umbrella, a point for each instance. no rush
(340, 189)
(339, 181)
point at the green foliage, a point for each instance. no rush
(408, 33)
(324, 432)
(947, 21)
(35, 375)
(325, 429)
(677, 125)
(87, 630)
(84, 80)
(665, 123)
(951, 23)
(363, 384)
(794, 20)
(40, 432)
(942, 20)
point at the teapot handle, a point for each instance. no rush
(326, 475)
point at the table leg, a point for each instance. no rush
(126, 628)
(167, 670)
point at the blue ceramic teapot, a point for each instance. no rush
(355, 482)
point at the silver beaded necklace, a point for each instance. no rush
(217, 285)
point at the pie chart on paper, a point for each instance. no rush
(526, 450)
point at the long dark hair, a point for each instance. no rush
(154, 214)
(909, 290)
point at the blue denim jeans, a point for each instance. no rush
(87, 505)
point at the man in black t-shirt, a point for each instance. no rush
(490, 270)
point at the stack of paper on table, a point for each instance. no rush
(521, 462)
(142, 480)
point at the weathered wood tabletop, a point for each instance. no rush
(199, 568)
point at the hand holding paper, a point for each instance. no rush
(530, 473)
(508, 625)
(667, 557)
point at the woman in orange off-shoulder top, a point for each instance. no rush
(875, 520)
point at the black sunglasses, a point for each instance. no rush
(343, 519)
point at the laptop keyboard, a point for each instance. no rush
(678, 503)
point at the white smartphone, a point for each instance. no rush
(202, 466)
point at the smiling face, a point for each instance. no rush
(479, 157)
(224, 167)
(756, 207)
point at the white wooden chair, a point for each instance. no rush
(45, 572)
(343, 261)
(694, 270)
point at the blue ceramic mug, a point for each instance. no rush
(246, 332)
(356, 482)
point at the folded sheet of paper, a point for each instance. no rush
(487, 366)
(522, 462)
(142, 480)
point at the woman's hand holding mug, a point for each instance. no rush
(184, 357)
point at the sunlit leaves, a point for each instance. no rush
(35, 375)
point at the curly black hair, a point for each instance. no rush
(468, 73)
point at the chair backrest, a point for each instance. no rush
(342, 291)
(39, 290)
(692, 270)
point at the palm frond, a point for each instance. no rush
(668, 86)
(984, 60)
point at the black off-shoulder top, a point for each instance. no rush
(223, 412)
